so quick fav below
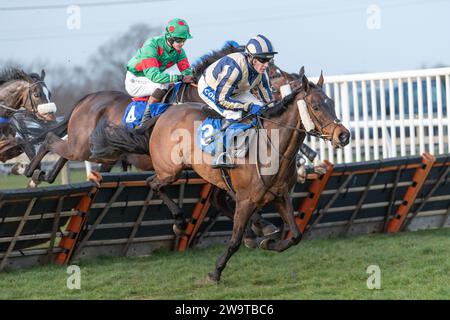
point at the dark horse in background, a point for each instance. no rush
(253, 190)
(19, 90)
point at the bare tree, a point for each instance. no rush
(112, 57)
(104, 70)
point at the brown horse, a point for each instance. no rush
(104, 107)
(171, 155)
(20, 90)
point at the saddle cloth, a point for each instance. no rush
(235, 140)
(135, 110)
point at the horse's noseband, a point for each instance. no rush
(29, 97)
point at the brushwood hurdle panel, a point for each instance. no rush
(116, 214)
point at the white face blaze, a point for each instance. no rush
(48, 107)
(304, 115)
(47, 93)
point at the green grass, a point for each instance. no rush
(414, 265)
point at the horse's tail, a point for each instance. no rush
(107, 139)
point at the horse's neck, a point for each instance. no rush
(288, 137)
(187, 93)
(12, 96)
(289, 141)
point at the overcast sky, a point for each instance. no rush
(339, 37)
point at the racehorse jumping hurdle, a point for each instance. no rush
(117, 214)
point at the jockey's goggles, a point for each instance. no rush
(178, 40)
(264, 59)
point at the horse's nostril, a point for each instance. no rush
(344, 137)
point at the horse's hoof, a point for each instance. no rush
(37, 176)
(213, 277)
(320, 170)
(178, 231)
(264, 244)
(18, 169)
(95, 177)
(271, 231)
(301, 179)
(250, 243)
(33, 184)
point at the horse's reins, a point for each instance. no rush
(315, 133)
(28, 97)
(177, 94)
(7, 108)
(33, 104)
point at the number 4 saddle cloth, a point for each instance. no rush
(135, 111)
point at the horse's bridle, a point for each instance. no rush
(316, 133)
(29, 97)
(319, 134)
(33, 105)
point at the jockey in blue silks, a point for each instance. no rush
(227, 85)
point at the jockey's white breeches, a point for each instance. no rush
(142, 86)
(208, 95)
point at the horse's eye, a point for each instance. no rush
(36, 94)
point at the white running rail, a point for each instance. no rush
(389, 114)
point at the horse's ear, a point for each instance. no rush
(42, 74)
(301, 72)
(320, 82)
(305, 83)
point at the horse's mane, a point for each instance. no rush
(10, 74)
(208, 59)
(280, 108)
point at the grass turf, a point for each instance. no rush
(414, 265)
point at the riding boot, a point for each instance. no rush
(156, 97)
(147, 113)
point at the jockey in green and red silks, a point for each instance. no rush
(146, 77)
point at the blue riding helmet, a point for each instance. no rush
(260, 46)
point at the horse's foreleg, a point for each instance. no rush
(36, 160)
(51, 176)
(52, 143)
(244, 210)
(219, 201)
(286, 211)
(157, 185)
(261, 226)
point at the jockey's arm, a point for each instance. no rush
(227, 83)
(184, 65)
(151, 67)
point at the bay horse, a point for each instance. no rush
(20, 90)
(253, 190)
(105, 107)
